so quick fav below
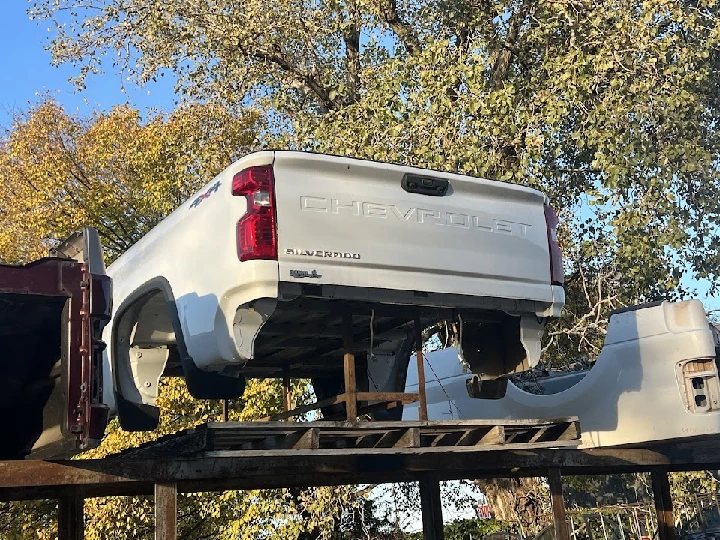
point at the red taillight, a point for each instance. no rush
(557, 273)
(256, 231)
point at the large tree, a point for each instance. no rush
(609, 106)
(116, 171)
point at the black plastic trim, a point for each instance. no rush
(425, 185)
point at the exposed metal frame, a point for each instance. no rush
(351, 397)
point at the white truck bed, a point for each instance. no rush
(251, 276)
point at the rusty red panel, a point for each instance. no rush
(41, 277)
(87, 311)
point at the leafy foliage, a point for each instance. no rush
(685, 486)
(521, 502)
(114, 171)
(464, 529)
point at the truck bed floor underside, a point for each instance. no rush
(305, 338)
(313, 344)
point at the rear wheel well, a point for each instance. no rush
(148, 344)
(143, 336)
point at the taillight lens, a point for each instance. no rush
(256, 230)
(557, 272)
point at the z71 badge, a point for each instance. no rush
(304, 274)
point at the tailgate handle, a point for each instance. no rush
(424, 185)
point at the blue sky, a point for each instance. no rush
(26, 73)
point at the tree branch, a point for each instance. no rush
(404, 31)
(505, 54)
(321, 93)
(351, 38)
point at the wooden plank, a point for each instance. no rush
(663, 504)
(405, 397)
(166, 511)
(350, 453)
(366, 441)
(496, 435)
(349, 369)
(287, 396)
(432, 440)
(492, 435)
(305, 408)
(561, 431)
(573, 431)
(431, 506)
(558, 505)
(408, 438)
(306, 439)
(288, 468)
(187, 442)
(225, 410)
(71, 517)
(214, 471)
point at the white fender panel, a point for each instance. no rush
(633, 394)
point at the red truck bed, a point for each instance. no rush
(52, 312)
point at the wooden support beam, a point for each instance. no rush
(663, 504)
(225, 467)
(303, 439)
(558, 505)
(225, 410)
(287, 397)
(349, 367)
(166, 511)
(71, 518)
(431, 504)
(407, 438)
(422, 408)
(297, 411)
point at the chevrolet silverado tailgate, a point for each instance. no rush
(356, 223)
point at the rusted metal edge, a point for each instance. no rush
(183, 443)
(327, 424)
